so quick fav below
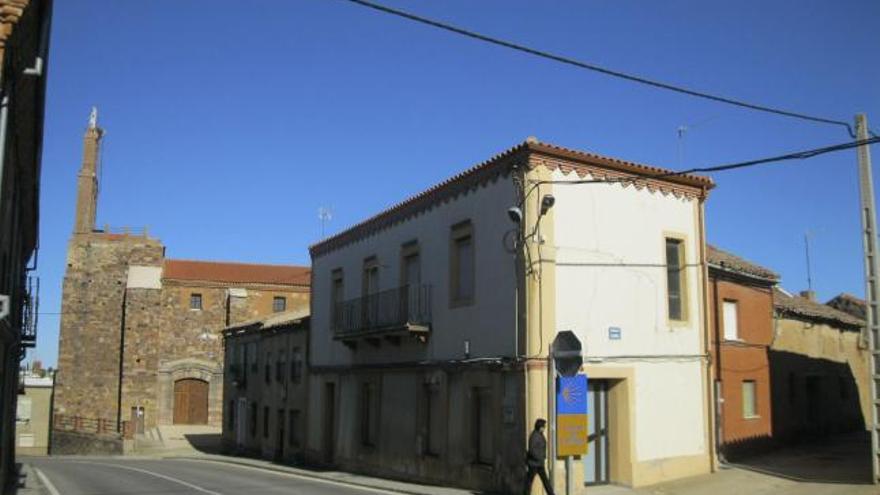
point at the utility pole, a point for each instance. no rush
(872, 285)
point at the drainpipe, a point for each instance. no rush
(710, 396)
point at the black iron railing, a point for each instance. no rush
(395, 309)
(30, 303)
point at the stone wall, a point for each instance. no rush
(75, 443)
(92, 307)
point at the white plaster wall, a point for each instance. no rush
(669, 410)
(597, 225)
(488, 323)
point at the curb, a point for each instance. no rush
(296, 472)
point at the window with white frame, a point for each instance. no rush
(749, 399)
(730, 320)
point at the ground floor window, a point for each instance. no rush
(369, 414)
(293, 435)
(749, 399)
(252, 417)
(482, 425)
(266, 422)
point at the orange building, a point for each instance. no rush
(741, 313)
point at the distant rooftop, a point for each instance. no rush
(805, 308)
(731, 262)
(850, 304)
(242, 273)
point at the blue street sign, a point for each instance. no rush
(571, 395)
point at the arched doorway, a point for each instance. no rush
(190, 401)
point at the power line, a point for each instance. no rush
(798, 155)
(597, 68)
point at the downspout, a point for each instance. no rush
(710, 396)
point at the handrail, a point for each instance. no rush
(398, 307)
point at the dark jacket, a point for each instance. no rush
(537, 452)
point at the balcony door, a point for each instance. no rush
(369, 291)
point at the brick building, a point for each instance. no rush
(741, 312)
(140, 333)
(24, 39)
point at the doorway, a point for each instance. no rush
(596, 460)
(329, 443)
(137, 419)
(190, 402)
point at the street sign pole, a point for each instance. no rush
(569, 397)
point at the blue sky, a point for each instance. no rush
(229, 125)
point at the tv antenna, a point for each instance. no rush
(324, 215)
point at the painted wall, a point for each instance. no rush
(819, 378)
(488, 323)
(284, 394)
(610, 272)
(32, 431)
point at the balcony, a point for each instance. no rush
(30, 303)
(390, 315)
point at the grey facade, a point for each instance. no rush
(265, 387)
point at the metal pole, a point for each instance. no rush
(872, 289)
(568, 475)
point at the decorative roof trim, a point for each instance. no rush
(531, 154)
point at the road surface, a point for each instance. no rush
(116, 476)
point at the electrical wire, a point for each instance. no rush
(597, 68)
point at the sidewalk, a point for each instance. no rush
(390, 486)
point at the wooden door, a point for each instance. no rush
(191, 402)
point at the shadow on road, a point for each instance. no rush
(208, 443)
(837, 459)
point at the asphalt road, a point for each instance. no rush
(109, 476)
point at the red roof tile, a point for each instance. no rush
(244, 273)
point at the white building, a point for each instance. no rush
(432, 322)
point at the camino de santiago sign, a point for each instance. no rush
(571, 415)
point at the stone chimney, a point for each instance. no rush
(808, 294)
(87, 182)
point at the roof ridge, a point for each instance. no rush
(240, 263)
(530, 144)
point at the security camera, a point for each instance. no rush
(515, 214)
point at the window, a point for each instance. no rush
(369, 414)
(337, 296)
(266, 422)
(461, 279)
(279, 367)
(252, 356)
(195, 301)
(296, 363)
(675, 279)
(279, 304)
(230, 423)
(268, 367)
(253, 419)
(482, 425)
(410, 268)
(730, 321)
(433, 420)
(369, 289)
(293, 436)
(749, 399)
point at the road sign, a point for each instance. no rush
(571, 415)
(567, 353)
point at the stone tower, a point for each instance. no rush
(87, 183)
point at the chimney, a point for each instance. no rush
(87, 181)
(808, 294)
